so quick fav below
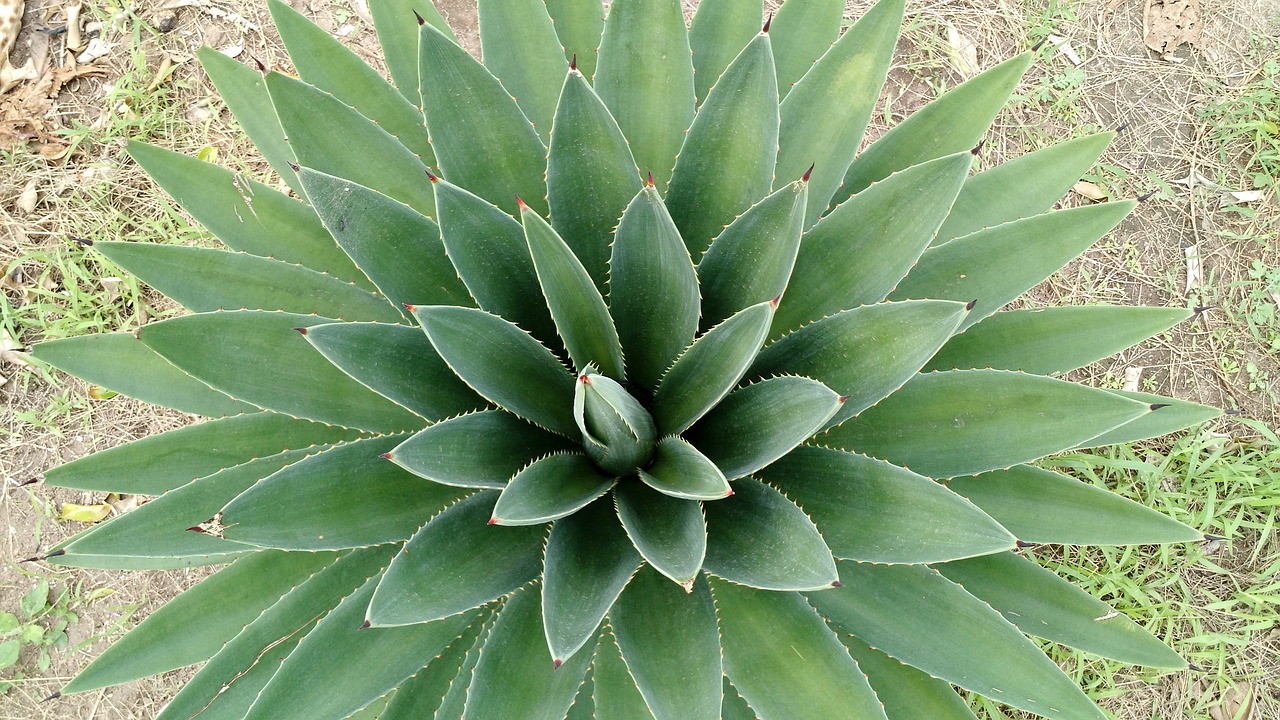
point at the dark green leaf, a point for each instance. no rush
(421, 695)
(579, 24)
(244, 90)
(617, 432)
(521, 49)
(454, 701)
(1173, 415)
(550, 488)
(398, 35)
(719, 31)
(761, 539)
(482, 449)
(906, 692)
(614, 692)
(669, 532)
(679, 470)
(801, 32)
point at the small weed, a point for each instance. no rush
(29, 636)
(1245, 125)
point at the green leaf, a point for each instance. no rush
(963, 422)
(906, 692)
(397, 246)
(873, 511)
(454, 701)
(584, 705)
(679, 470)
(521, 49)
(8, 623)
(669, 532)
(653, 289)
(617, 432)
(550, 488)
(399, 39)
(761, 539)
(504, 364)
(954, 122)
(422, 695)
(225, 686)
(515, 677)
(1030, 250)
(1044, 605)
(204, 280)
(245, 214)
(1173, 415)
(719, 31)
(735, 707)
(761, 422)
(1039, 506)
(1025, 186)
(669, 639)
(321, 60)
(35, 601)
(9, 652)
(726, 163)
(801, 32)
(886, 227)
(489, 251)
(614, 692)
(785, 661)
(919, 617)
(455, 562)
(589, 561)
(119, 362)
(482, 449)
(398, 363)
(579, 24)
(261, 358)
(847, 351)
(577, 308)
(1054, 339)
(339, 668)
(824, 117)
(709, 369)
(591, 175)
(482, 141)
(160, 463)
(332, 137)
(750, 262)
(224, 603)
(346, 497)
(244, 90)
(644, 75)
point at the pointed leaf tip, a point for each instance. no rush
(1157, 406)
(978, 148)
(774, 302)
(1146, 197)
(421, 21)
(301, 330)
(556, 663)
(365, 625)
(650, 181)
(1022, 544)
(294, 166)
(410, 307)
(386, 456)
(54, 696)
(837, 584)
(261, 67)
(767, 22)
(493, 521)
(842, 399)
(432, 177)
(807, 173)
(573, 63)
(520, 204)
(971, 304)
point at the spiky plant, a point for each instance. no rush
(719, 420)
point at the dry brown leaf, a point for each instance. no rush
(963, 53)
(1169, 24)
(1132, 377)
(26, 203)
(1090, 190)
(1236, 703)
(9, 350)
(1195, 273)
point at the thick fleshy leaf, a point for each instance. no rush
(346, 497)
(954, 122)
(801, 32)
(168, 639)
(482, 450)
(261, 358)
(644, 75)
(653, 289)
(750, 262)
(504, 364)
(1174, 415)
(1040, 506)
(482, 140)
(1044, 605)
(159, 463)
(421, 695)
(847, 351)
(669, 639)
(963, 422)
(244, 90)
(735, 706)
(591, 175)
(1030, 250)
(584, 704)
(456, 562)
(727, 160)
(719, 31)
(521, 49)
(397, 246)
(679, 470)
(617, 432)
(579, 312)
(824, 116)
(885, 227)
(877, 512)
(332, 137)
(914, 614)
(761, 422)
(228, 684)
(709, 369)
(1027, 185)
(785, 661)
(589, 561)
(669, 532)
(123, 364)
(906, 692)
(204, 280)
(613, 690)
(579, 24)
(550, 488)
(245, 214)
(454, 701)
(340, 667)
(1054, 339)
(761, 539)
(514, 677)
(398, 36)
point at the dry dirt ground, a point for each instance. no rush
(1118, 83)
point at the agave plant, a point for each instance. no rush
(607, 379)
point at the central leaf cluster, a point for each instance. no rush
(617, 431)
